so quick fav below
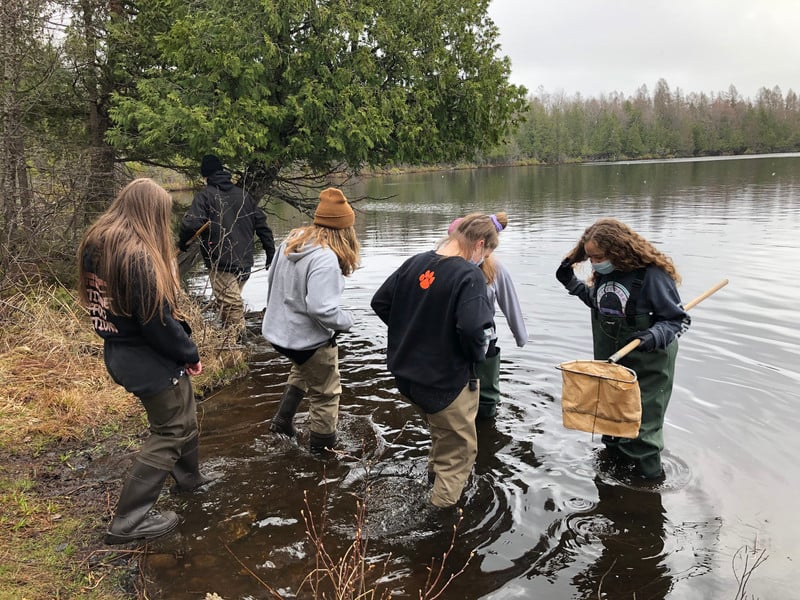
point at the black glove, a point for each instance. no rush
(565, 272)
(648, 340)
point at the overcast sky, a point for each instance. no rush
(601, 46)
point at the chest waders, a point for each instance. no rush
(655, 372)
(488, 372)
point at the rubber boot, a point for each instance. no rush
(319, 442)
(614, 451)
(649, 467)
(282, 422)
(186, 471)
(489, 373)
(133, 519)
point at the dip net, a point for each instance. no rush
(600, 397)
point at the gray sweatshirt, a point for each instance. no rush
(305, 289)
(502, 290)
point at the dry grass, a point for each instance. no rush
(57, 402)
(356, 575)
(353, 573)
(53, 383)
(744, 562)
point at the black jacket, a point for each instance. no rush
(235, 217)
(438, 315)
(145, 357)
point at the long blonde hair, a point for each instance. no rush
(475, 227)
(131, 247)
(626, 249)
(343, 242)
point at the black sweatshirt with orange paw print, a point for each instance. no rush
(438, 314)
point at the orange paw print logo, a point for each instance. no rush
(426, 279)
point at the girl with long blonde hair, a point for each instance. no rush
(128, 284)
(304, 315)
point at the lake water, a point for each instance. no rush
(541, 517)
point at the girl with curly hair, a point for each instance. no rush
(632, 294)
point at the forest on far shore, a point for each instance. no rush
(96, 93)
(664, 124)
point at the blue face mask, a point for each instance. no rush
(477, 263)
(604, 268)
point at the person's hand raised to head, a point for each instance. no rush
(565, 273)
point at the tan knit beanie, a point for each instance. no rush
(333, 211)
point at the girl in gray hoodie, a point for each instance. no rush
(303, 315)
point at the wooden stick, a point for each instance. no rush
(187, 258)
(633, 344)
(198, 232)
(706, 294)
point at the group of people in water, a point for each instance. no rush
(438, 306)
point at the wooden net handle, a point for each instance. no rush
(633, 344)
(706, 294)
(204, 227)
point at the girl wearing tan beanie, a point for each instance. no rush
(303, 315)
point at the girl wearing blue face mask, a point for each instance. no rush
(632, 294)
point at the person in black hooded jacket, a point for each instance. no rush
(227, 244)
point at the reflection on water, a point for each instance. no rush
(629, 565)
(543, 516)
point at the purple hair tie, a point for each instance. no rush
(497, 224)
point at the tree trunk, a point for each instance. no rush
(101, 185)
(15, 192)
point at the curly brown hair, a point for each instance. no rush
(626, 249)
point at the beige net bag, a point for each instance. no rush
(603, 397)
(600, 397)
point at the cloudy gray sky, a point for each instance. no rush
(601, 46)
